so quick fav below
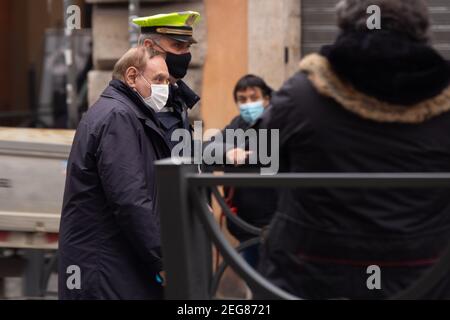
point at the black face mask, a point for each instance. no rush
(178, 64)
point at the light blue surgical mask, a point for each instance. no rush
(250, 112)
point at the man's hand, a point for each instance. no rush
(162, 275)
(237, 156)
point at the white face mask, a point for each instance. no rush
(158, 99)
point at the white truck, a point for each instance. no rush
(32, 175)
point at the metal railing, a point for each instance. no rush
(189, 229)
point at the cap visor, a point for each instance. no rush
(182, 38)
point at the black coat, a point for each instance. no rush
(181, 99)
(254, 205)
(322, 240)
(110, 224)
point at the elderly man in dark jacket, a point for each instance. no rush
(375, 101)
(110, 226)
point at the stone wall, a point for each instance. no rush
(110, 40)
(274, 39)
(273, 35)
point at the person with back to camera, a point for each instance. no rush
(374, 101)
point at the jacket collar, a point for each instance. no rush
(181, 91)
(327, 83)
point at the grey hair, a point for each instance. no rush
(410, 17)
(151, 36)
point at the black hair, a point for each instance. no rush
(252, 81)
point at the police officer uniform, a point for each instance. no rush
(177, 26)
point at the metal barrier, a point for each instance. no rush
(189, 229)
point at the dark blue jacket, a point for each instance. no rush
(181, 99)
(110, 226)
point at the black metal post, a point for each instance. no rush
(184, 236)
(186, 248)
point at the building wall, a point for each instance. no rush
(319, 25)
(18, 55)
(261, 37)
(22, 28)
(235, 37)
(5, 54)
(110, 40)
(226, 59)
(274, 39)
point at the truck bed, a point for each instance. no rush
(32, 175)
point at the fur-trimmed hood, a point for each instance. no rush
(328, 83)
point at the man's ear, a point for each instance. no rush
(149, 43)
(130, 77)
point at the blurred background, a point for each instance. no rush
(40, 88)
(265, 37)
